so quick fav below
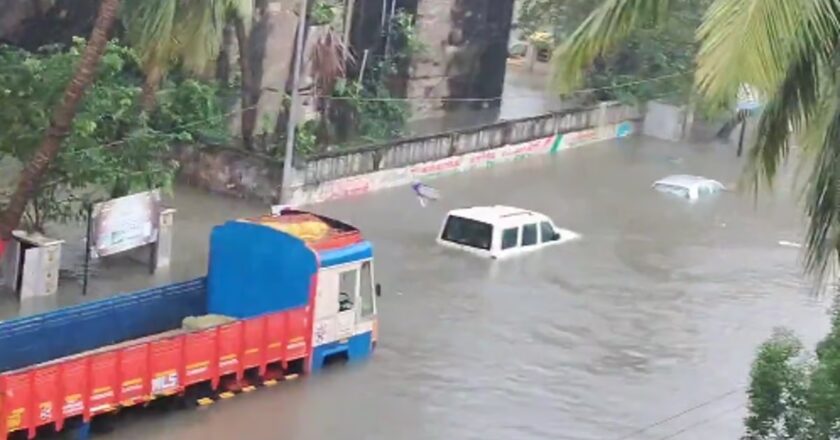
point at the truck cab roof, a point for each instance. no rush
(318, 232)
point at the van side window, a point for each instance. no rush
(547, 232)
(510, 238)
(529, 235)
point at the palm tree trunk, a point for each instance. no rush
(148, 96)
(223, 63)
(249, 95)
(62, 118)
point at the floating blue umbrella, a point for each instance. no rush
(424, 193)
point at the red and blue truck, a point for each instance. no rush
(295, 289)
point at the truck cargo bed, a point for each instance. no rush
(41, 338)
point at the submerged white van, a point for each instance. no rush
(500, 231)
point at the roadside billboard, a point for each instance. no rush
(125, 223)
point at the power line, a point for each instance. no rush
(682, 413)
(711, 418)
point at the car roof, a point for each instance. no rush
(499, 214)
(687, 181)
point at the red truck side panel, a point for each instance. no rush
(133, 367)
(229, 343)
(103, 384)
(166, 356)
(200, 349)
(131, 374)
(72, 388)
(276, 337)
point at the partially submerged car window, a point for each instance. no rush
(510, 238)
(673, 189)
(529, 235)
(468, 232)
(547, 232)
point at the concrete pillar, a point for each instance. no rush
(163, 248)
(428, 78)
(274, 34)
(41, 263)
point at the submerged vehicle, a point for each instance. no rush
(687, 186)
(500, 231)
(283, 293)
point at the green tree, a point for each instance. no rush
(664, 51)
(190, 34)
(56, 131)
(778, 390)
(112, 147)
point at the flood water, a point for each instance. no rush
(657, 309)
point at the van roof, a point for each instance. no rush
(498, 214)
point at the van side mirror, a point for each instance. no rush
(378, 289)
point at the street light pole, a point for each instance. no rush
(291, 124)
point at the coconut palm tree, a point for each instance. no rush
(62, 118)
(190, 32)
(787, 50)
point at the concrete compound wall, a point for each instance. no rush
(427, 158)
(344, 174)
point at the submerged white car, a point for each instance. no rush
(690, 187)
(500, 231)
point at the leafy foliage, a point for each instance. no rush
(659, 47)
(322, 12)
(559, 18)
(113, 147)
(791, 398)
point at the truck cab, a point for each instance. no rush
(345, 315)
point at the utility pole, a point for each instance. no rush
(291, 125)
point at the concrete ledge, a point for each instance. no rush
(366, 183)
(341, 174)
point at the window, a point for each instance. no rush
(366, 290)
(673, 189)
(347, 289)
(547, 232)
(510, 238)
(467, 232)
(529, 235)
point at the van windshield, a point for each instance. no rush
(467, 232)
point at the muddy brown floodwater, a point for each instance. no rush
(657, 309)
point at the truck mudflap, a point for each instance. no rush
(135, 372)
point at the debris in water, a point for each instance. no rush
(425, 193)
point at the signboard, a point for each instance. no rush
(125, 223)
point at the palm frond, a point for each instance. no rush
(200, 31)
(329, 60)
(823, 202)
(600, 32)
(243, 10)
(788, 111)
(754, 42)
(149, 25)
